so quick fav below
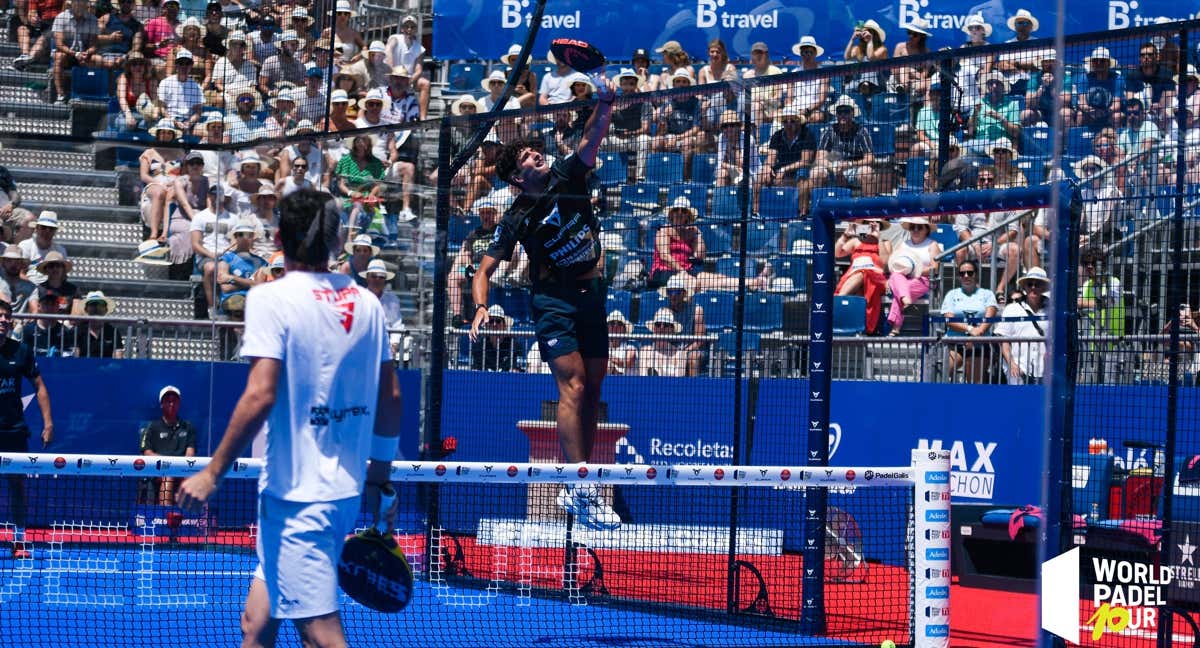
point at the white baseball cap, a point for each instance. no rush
(169, 389)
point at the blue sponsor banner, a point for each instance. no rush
(941, 630)
(937, 553)
(937, 516)
(937, 592)
(937, 477)
(484, 29)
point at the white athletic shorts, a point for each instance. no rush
(299, 544)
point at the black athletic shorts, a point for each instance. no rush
(569, 317)
(14, 441)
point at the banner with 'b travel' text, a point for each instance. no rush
(484, 29)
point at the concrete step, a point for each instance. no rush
(165, 348)
(98, 232)
(152, 308)
(95, 212)
(36, 158)
(54, 175)
(23, 126)
(95, 268)
(19, 94)
(103, 197)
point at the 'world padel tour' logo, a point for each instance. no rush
(1125, 596)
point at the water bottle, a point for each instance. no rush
(1094, 516)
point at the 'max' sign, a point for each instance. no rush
(972, 476)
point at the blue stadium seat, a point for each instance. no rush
(664, 168)
(889, 107)
(1091, 476)
(1037, 141)
(728, 265)
(821, 193)
(718, 238)
(914, 172)
(515, 302)
(613, 170)
(763, 237)
(849, 315)
(792, 266)
(629, 231)
(620, 300)
(726, 348)
(725, 202)
(779, 202)
(704, 168)
(718, 309)
(764, 132)
(459, 228)
(651, 301)
(642, 196)
(695, 192)
(883, 138)
(465, 77)
(945, 235)
(1079, 141)
(89, 83)
(1034, 169)
(764, 312)
(798, 231)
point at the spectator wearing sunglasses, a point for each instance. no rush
(972, 302)
(181, 95)
(844, 155)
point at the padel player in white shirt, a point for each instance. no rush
(323, 388)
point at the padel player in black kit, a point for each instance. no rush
(17, 362)
(553, 219)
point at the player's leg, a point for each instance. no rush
(570, 377)
(324, 631)
(258, 628)
(16, 494)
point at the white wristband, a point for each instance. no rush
(384, 448)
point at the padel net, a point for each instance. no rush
(714, 556)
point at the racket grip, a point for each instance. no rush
(387, 500)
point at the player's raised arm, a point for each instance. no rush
(597, 124)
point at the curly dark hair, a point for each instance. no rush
(506, 159)
(1092, 255)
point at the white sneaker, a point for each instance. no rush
(589, 509)
(406, 215)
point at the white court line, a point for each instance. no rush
(150, 571)
(1141, 634)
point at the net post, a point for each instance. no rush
(931, 567)
(812, 614)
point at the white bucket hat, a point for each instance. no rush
(486, 82)
(47, 219)
(665, 316)
(618, 316)
(496, 310)
(362, 240)
(150, 252)
(919, 25)
(457, 106)
(807, 41)
(98, 297)
(976, 20)
(1022, 14)
(378, 267)
(1034, 274)
(511, 57)
(845, 100)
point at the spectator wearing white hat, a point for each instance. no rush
(266, 212)
(13, 265)
(405, 49)
(403, 104)
(181, 96)
(210, 231)
(729, 154)
(809, 94)
(98, 339)
(370, 71)
(360, 250)
(766, 99)
(680, 125)
(1018, 66)
(238, 268)
(556, 86)
(1026, 361)
(283, 66)
(664, 356)
(914, 80)
(690, 317)
(622, 355)
(168, 436)
(1100, 197)
(630, 129)
(676, 60)
(912, 262)
(996, 116)
(970, 67)
(493, 85)
(396, 149)
(679, 251)
(526, 87)
(494, 350)
(41, 244)
(790, 151)
(189, 35)
(282, 116)
(378, 276)
(1040, 97)
(308, 154)
(344, 35)
(866, 43)
(1102, 88)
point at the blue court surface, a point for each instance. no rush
(107, 597)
